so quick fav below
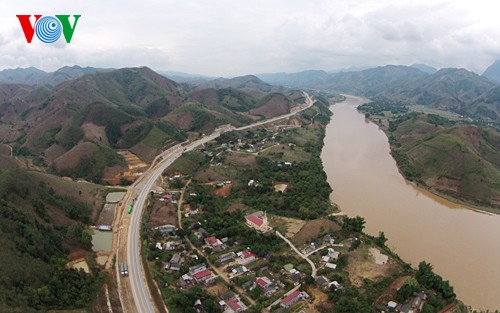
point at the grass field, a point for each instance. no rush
(427, 110)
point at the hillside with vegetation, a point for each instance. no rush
(43, 219)
(451, 89)
(450, 156)
(76, 128)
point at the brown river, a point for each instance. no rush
(463, 245)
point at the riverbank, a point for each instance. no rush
(450, 159)
(267, 173)
(419, 226)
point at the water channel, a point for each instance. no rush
(463, 245)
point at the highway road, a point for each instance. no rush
(139, 287)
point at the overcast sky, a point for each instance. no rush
(235, 37)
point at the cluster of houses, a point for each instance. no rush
(231, 303)
(414, 305)
(198, 274)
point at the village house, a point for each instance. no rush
(293, 298)
(205, 276)
(231, 303)
(227, 257)
(166, 230)
(237, 271)
(212, 241)
(258, 221)
(201, 233)
(245, 257)
(332, 254)
(197, 268)
(175, 263)
(323, 282)
(267, 285)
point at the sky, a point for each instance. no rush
(235, 37)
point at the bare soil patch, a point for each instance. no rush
(292, 225)
(209, 175)
(95, 132)
(218, 289)
(362, 266)
(277, 105)
(237, 205)
(163, 213)
(241, 159)
(314, 229)
(223, 191)
(135, 167)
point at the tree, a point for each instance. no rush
(381, 239)
(355, 224)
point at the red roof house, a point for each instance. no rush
(234, 304)
(263, 282)
(291, 299)
(203, 275)
(211, 241)
(255, 220)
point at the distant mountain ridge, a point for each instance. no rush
(33, 76)
(452, 89)
(493, 71)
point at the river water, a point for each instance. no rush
(463, 245)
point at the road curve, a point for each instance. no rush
(139, 287)
(313, 267)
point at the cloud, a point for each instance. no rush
(225, 37)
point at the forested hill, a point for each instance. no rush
(41, 222)
(452, 89)
(76, 127)
(442, 152)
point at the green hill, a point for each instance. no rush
(462, 161)
(42, 220)
(75, 127)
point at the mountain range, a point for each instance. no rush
(76, 127)
(452, 89)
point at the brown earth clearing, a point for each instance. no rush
(163, 213)
(135, 168)
(291, 226)
(223, 191)
(242, 159)
(314, 229)
(362, 266)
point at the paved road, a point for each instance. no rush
(140, 290)
(313, 267)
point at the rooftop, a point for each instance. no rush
(291, 296)
(202, 274)
(254, 220)
(234, 304)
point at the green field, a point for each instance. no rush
(427, 110)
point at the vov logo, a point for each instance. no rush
(48, 29)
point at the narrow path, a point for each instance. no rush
(313, 267)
